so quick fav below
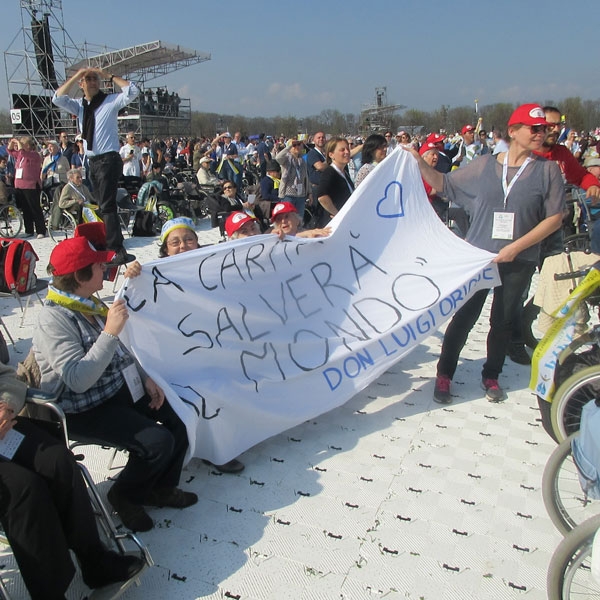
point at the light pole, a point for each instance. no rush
(476, 106)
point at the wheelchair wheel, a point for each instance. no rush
(564, 499)
(11, 221)
(570, 398)
(569, 572)
(65, 229)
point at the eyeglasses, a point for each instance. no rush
(229, 187)
(91, 78)
(554, 125)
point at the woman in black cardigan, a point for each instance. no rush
(335, 186)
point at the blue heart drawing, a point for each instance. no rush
(391, 206)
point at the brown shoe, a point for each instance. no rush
(172, 497)
(133, 516)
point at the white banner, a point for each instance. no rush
(252, 337)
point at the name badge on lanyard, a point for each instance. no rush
(503, 226)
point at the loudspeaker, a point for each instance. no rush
(42, 42)
(38, 114)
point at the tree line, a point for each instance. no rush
(582, 115)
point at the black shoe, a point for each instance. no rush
(106, 567)
(233, 466)
(172, 497)
(133, 516)
(441, 391)
(518, 354)
(121, 257)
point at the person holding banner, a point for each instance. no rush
(515, 199)
(286, 221)
(108, 398)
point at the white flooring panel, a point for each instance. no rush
(389, 496)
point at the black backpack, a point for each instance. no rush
(144, 224)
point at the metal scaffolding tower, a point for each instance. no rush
(43, 55)
(377, 117)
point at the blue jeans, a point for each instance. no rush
(514, 277)
(298, 201)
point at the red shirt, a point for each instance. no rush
(573, 172)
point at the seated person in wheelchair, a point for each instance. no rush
(45, 508)
(286, 221)
(74, 195)
(108, 399)
(204, 176)
(54, 167)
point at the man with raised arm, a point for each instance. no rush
(97, 119)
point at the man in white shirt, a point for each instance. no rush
(131, 156)
(97, 119)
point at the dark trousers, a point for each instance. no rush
(29, 203)
(105, 172)
(514, 277)
(156, 450)
(45, 510)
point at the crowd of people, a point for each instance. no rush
(505, 193)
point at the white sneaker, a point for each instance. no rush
(40, 236)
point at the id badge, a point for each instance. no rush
(134, 382)
(56, 178)
(504, 224)
(19, 173)
(299, 189)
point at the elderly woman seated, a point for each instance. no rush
(55, 166)
(45, 508)
(287, 221)
(75, 195)
(107, 396)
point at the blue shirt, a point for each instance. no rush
(106, 135)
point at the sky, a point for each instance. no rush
(285, 58)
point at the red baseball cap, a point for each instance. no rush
(282, 208)
(435, 138)
(235, 220)
(75, 253)
(528, 114)
(426, 147)
(466, 129)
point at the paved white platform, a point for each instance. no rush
(389, 496)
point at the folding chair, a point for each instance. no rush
(40, 286)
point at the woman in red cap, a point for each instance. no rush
(107, 396)
(286, 221)
(514, 199)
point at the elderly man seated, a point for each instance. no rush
(45, 508)
(75, 195)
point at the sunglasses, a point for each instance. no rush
(537, 129)
(229, 187)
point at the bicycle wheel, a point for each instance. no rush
(11, 221)
(569, 399)
(569, 574)
(564, 499)
(65, 229)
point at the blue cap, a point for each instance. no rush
(178, 223)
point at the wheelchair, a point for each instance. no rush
(44, 410)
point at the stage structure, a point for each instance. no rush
(48, 56)
(377, 117)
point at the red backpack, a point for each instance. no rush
(17, 265)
